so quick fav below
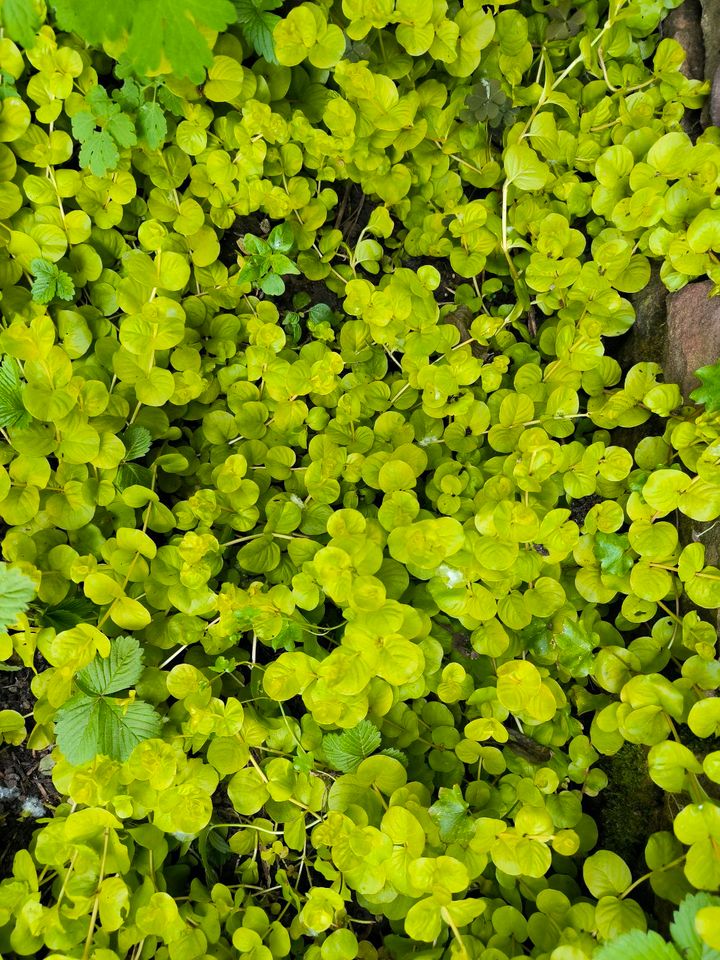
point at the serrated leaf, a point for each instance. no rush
(345, 751)
(137, 441)
(129, 96)
(611, 549)
(169, 27)
(709, 392)
(170, 101)
(152, 125)
(116, 672)
(99, 153)
(44, 285)
(683, 931)
(449, 812)
(637, 945)
(122, 129)
(67, 614)
(83, 125)
(86, 727)
(257, 25)
(21, 20)
(16, 592)
(132, 474)
(12, 410)
(64, 287)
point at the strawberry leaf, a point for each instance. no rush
(709, 392)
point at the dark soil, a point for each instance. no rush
(26, 792)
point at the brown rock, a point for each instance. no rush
(693, 334)
(684, 25)
(715, 99)
(711, 33)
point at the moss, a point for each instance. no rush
(630, 808)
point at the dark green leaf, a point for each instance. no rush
(450, 814)
(612, 550)
(345, 751)
(137, 441)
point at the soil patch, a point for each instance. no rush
(26, 791)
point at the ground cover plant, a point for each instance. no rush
(350, 568)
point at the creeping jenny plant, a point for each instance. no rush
(337, 578)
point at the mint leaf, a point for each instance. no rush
(345, 751)
(93, 21)
(99, 153)
(67, 614)
(16, 592)
(132, 474)
(152, 125)
(12, 409)
(116, 672)
(709, 392)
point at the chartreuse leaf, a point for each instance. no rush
(688, 933)
(16, 592)
(707, 923)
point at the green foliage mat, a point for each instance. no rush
(345, 591)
